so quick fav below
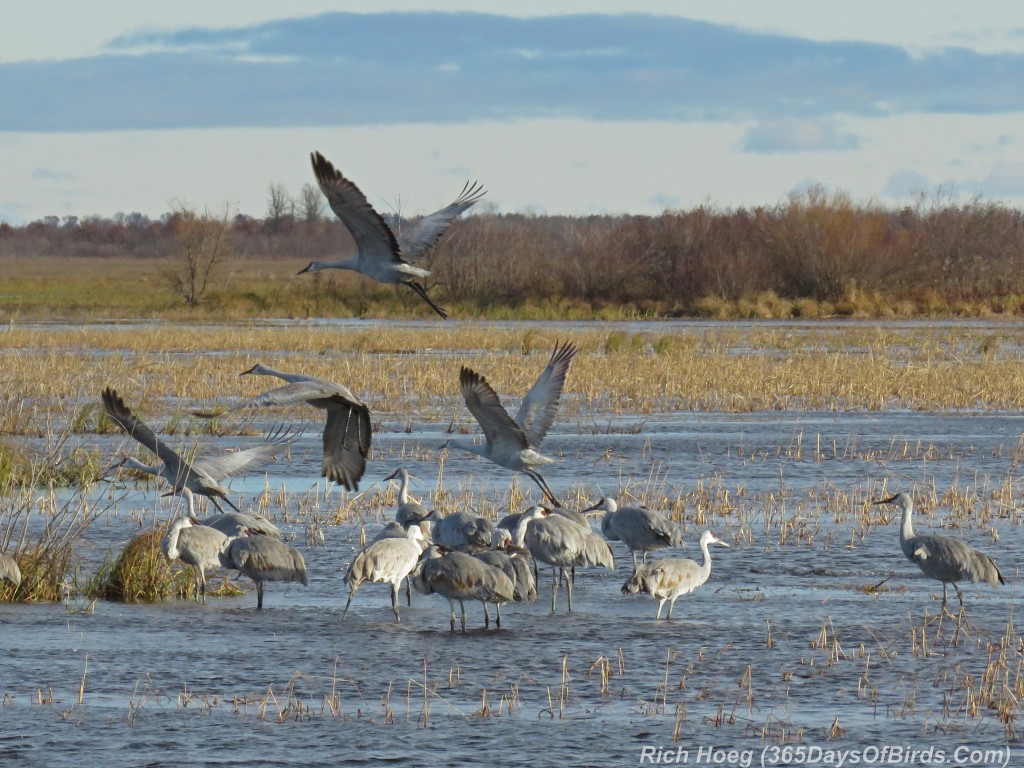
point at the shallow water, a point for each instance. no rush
(221, 684)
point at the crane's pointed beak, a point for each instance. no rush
(304, 269)
(890, 500)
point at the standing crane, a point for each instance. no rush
(380, 254)
(9, 570)
(515, 443)
(639, 528)
(942, 558)
(263, 558)
(347, 433)
(196, 545)
(409, 511)
(670, 577)
(385, 561)
(561, 543)
(460, 577)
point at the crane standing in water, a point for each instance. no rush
(942, 558)
(670, 577)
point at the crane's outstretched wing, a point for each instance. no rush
(287, 394)
(373, 236)
(124, 418)
(248, 460)
(347, 437)
(540, 406)
(483, 403)
(418, 237)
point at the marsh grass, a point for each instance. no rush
(733, 370)
(139, 573)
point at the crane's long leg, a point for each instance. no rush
(959, 594)
(543, 485)
(462, 605)
(451, 603)
(201, 585)
(487, 616)
(497, 610)
(408, 591)
(633, 553)
(943, 594)
(554, 587)
(394, 601)
(568, 589)
(259, 595)
(423, 295)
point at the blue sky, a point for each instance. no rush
(557, 107)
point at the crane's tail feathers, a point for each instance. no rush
(423, 295)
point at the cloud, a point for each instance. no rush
(906, 183)
(798, 136)
(345, 69)
(47, 174)
(1005, 179)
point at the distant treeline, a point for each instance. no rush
(815, 254)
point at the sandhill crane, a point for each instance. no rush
(234, 523)
(380, 254)
(639, 528)
(561, 543)
(942, 558)
(385, 561)
(180, 473)
(9, 570)
(514, 562)
(347, 433)
(515, 443)
(233, 464)
(196, 545)
(463, 531)
(460, 577)
(263, 558)
(409, 511)
(670, 577)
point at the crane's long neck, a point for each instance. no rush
(907, 528)
(171, 542)
(134, 463)
(479, 450)
(403, 492)
(705, 568)
(266, 370)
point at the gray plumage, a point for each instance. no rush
(181, 474)
(515, 443)
(639, 528)
(460, 577)
(463, 531)
(9, 570)
(385, 561)
(263, 559)
(198, 546)
(561, 543)
(347, 433)
(513, 562)
(409, 511)
(380, 254)
(233, 464)
(234, 523)
(670, 577)
(942, 558)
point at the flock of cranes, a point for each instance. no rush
(459, 556)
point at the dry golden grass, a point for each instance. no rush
(412, 373)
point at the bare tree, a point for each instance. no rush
(201, 245)
(280, 208)
(311, 206)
